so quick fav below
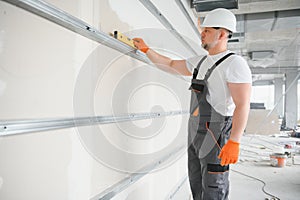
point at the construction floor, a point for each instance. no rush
(255, 178)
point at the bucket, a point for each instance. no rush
(278, 160)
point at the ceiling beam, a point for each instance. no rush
(261, 7)
(277, 41)
(269, 15)
(264, 15)
(262, 82)
(275, 70)
(267, 6)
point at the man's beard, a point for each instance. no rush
(209, 46)
(205, 46)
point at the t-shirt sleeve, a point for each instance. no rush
(238, 71)
(192, 62)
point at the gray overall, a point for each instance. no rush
(208, 179)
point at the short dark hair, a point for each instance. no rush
(229, 32)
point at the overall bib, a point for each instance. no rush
(208, 179)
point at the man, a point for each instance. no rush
(221, 88)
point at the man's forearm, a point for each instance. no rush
(177, 67)
(163, 62)
(239, 122)
(159, 60)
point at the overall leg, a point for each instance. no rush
(194, 171)
(215, 183)
(194, 167)
(194, 163)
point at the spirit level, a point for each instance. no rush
(123, 38)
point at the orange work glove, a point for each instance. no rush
(230, 153)
(140, 44)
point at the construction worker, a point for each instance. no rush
(220, 103)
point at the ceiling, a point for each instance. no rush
(267, 35)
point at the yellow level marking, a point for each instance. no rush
(123, 38)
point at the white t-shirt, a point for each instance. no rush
(233, 69)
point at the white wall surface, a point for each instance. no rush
(47, 71)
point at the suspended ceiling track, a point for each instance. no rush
(51, 13)
(112, 191)
(15, 127)
(188, 17)
(151, 7)
(177, 188)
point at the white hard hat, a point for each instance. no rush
(222, 18)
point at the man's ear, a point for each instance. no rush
(223, 34)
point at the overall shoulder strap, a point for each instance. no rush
(196, 70)
(209, 71)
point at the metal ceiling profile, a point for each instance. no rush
(207, 5)
(188, 17)
(64, 19)
(163, 20)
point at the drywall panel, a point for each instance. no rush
(35, 166)
(49, 165)
(160, 184)
(38, 64)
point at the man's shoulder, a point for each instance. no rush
(235, 58)
(196, 57)
(195, 60)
